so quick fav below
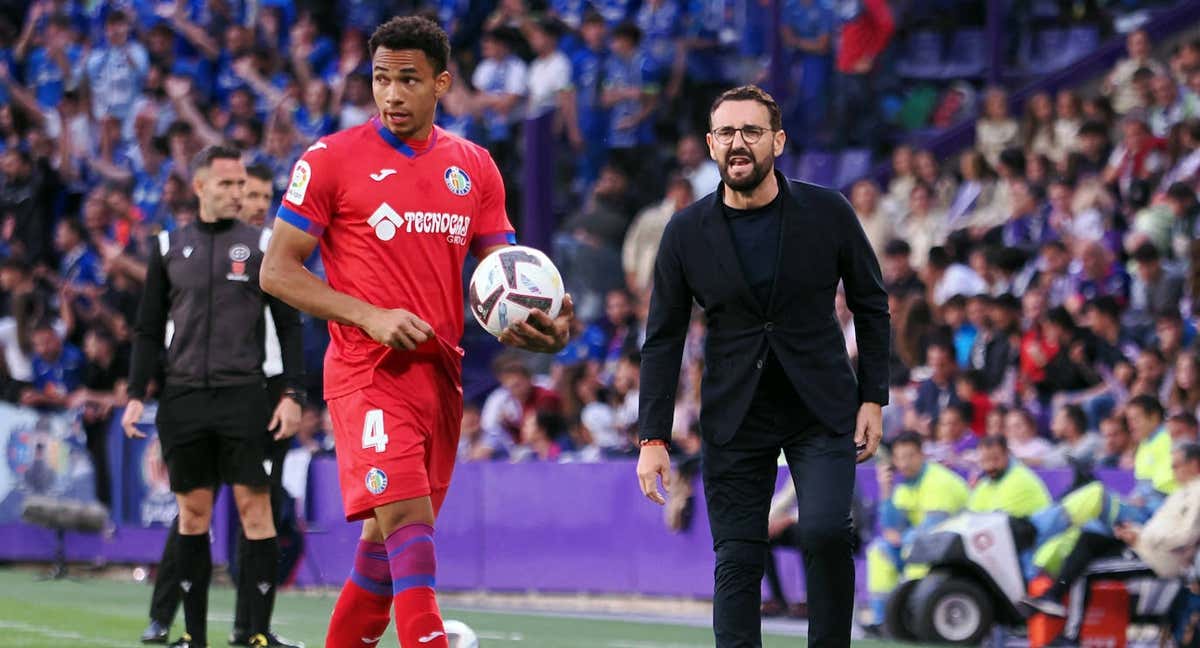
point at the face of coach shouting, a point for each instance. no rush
(745, 139)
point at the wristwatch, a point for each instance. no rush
(653, 442)
(297, 395)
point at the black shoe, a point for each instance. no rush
(186, 642)
(155, 633)
(269, 640)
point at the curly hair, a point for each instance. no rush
(414, 33)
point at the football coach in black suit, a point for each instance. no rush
(763, 257)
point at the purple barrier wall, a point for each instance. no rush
(548, 527)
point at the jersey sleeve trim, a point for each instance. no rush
(299, 221)
(485, 241)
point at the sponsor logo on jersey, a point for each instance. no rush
(383, 173)
(457, 181)
(386, 222)
(318, 146)
(187, 251)
(299, 184)
(376, 481)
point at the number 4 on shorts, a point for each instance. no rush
(373, 434)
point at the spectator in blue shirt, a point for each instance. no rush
(151, 168)
(312, 117)
(807, 32)
(57, 369)
(116, 71)
(661, 22)
(79, 264)
(587, 127)
(630, 93)
(50, 69)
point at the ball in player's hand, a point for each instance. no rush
(511, 282)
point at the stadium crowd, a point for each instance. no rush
(1037, 282)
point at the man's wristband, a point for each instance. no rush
(653, 442)
(297, 395)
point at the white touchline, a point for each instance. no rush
(51, 633)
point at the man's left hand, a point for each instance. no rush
(868, 431)
(539, 332)
(285, 422)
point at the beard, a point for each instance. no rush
(749, 182)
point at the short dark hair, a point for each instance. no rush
(750, 93)
(964, 410)
(260, 171)
(1185, 417)
(1105, 305)
(1076, 416)
(1182, 192)
(1093, 127)
(1146, 252)
(994, 442)
(1191, 451)
(76, 226)
(1147, 404)
(205, 158)
(629, 31)
(414, 33)
(907, 437)
(897, 248)
(939, 257)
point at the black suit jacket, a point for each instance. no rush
(822, 243)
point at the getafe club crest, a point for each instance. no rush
(457, 181)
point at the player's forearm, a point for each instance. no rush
(294, 284)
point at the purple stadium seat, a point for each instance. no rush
(1049, 49)
(817, 167)
(923, 56)
(1081, 41)
(967, 56)
(853, 165)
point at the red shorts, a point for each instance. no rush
(397, 439)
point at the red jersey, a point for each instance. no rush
(395, 224)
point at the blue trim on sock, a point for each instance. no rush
(375, 587)
(410, 582)
(411, 541)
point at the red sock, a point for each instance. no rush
(363, 609)
(413, 568)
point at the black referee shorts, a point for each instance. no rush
(215, 435)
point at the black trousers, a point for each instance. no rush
(739, 481)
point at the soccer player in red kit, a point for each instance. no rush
(395, 204)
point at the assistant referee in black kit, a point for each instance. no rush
(763, 256)
(214, 419)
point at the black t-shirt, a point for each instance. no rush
(100, 378)
(756, 234)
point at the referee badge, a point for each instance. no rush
(376, 481)
(238, 255)
(457, 181)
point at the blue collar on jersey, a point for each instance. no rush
(397, 143)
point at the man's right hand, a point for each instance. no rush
(398, 328)
(653, 463)
(129, 420)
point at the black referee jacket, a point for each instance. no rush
(203, 302)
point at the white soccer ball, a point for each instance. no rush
(460, 635)
(509, 283)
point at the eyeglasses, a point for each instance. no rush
(750, 134)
